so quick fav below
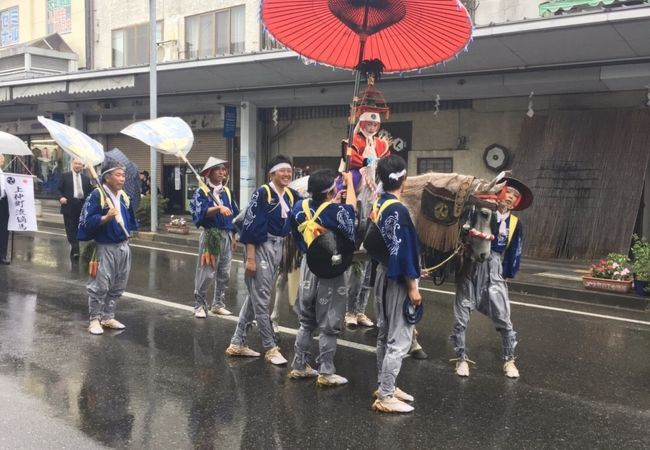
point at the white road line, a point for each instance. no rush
(286, 330)
(438, 291)
(552, 308)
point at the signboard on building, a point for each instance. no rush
(9, 26)
(59, 16)
(229, 121)
(20, 193)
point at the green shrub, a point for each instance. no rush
(143, 213)
(641, 262)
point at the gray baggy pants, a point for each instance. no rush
(322, 305)
(257, 303)
(220, 274)
(395, 334)
(112, 276)
(358, 283)
(485, 290)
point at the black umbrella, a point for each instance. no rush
(132, 185)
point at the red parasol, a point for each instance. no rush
(370, 36)
(404, 34)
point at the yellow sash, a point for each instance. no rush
(375, 215)
(511, 230)
(310, 229)
(102, 199)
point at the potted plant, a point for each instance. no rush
(641, 265)
(177, 225)
(611, 274)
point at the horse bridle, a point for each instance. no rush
(467, 229)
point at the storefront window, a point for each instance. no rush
(47, 165)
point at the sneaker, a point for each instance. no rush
(331, 379)
(462, 368)
(391, 405)
(113, 324)
(351, 319)
(363, 320)
(95, 327)
(510, 369)
(274, 357)
(200, 313)
(398, 394)
(220, 311)
(240, 350)
(307, 372)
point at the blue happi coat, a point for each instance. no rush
(200, 203)
(263, 216)
(94, 208)
(399, 234)
(510, 246)
(334, 217)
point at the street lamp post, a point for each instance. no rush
(153, 112)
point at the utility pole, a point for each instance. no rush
(153, 111)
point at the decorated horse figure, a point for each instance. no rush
(452, 218)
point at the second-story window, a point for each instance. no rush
(215, 33)
(131, 44)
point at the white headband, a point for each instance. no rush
(333, 186)
(282, 165)
(397, 175)
(112, 169)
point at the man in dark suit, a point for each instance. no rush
(74, 187)
(4, 217)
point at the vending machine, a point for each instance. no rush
(191, 185)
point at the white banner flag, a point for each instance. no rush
(20, 194)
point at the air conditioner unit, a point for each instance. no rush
(167, 51)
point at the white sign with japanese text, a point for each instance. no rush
(20, 194)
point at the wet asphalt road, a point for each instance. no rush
(164, 382)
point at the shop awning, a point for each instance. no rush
(35, 90)
(550, 8)
(101, 84)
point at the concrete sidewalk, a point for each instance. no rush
(554, 278)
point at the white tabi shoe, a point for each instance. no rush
(220, 311)
(241, 350)
(398, 394)
(363, 320)
(95, 327)
(351, 319)
(274, 357)
(200, 313)
(510, 369)
(391, 405)
(331, 379)
(462, 368)
(307, 372)
(113, 324)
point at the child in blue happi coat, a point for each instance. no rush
(264, 229)
(395, 282)
(322, 301)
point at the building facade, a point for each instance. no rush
(471, 115)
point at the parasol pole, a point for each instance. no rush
(353, 107)
(357, 82)
(100, 185)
